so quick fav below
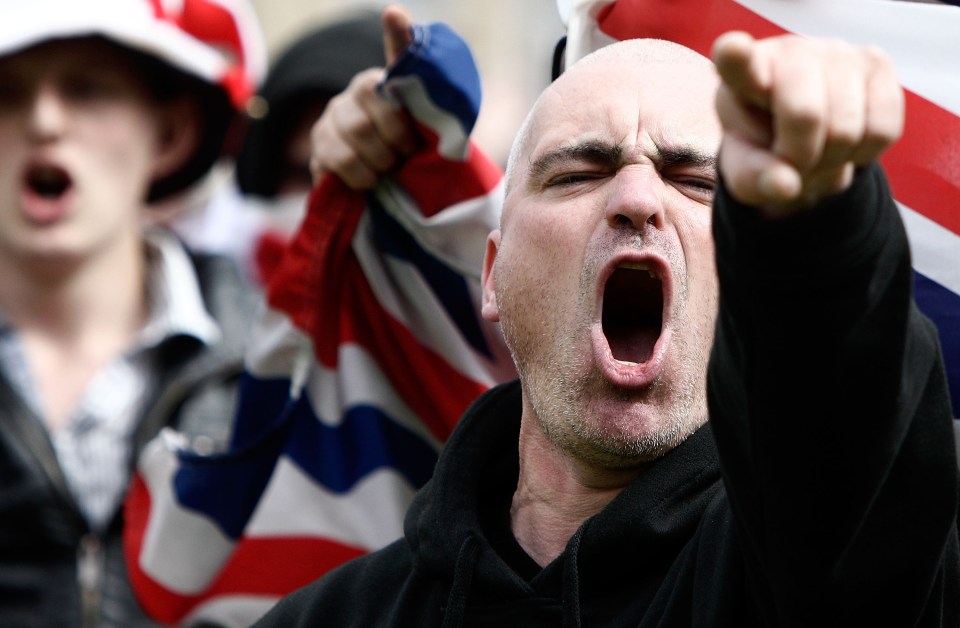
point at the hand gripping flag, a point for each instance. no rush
(370, 349)
(923, 167)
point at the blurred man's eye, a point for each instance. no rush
(85, 87)
(11, 91)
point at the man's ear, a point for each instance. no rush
(178, 135)
(488, 308)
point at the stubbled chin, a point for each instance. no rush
(632, 431)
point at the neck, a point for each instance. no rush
(103, 295)
(556, 493)
(74, 317)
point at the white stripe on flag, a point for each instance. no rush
(295, 505)
(922, 39)
(278, 348)
(182, 550)
(453, 140)
(935, 250)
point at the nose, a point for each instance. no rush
(636, 198)
(47, 114)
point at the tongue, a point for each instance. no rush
(630, 342)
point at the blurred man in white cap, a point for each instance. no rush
(108, 330)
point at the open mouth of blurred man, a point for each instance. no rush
(45, 188)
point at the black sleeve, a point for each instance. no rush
(829, 407)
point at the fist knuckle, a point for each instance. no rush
(803, 116)
(844, 135)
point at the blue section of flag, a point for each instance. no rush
(262, 406)
(445, 65)
(943, 308)
(367, 440)
(227, 487)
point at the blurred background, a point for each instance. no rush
(512, 42)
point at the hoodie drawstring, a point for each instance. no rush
(571, 582)
(462, 578)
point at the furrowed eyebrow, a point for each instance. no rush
(686, 156)
(591, 152)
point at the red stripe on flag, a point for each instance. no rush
(279, 565)
(923, 167)
(308, 282)
(136, 514)
(672, 20)
(258, 566)
(437, 393)
(436, 183)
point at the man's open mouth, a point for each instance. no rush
(49, 182)
(633, 312)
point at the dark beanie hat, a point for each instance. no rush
(319, 64)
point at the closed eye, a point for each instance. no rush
(567, 166)
(12, 89)
(573, 178)
(699, 183)
(696, 181)
(696, 188)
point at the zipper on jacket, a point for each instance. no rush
(90, 573)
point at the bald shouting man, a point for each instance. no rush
(681, 241)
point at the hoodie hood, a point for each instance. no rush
(648, 524)
(478, 463)
(313, 69)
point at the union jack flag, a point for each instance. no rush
(370, 349)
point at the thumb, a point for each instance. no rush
(397, 31)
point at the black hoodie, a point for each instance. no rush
(822, 493)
